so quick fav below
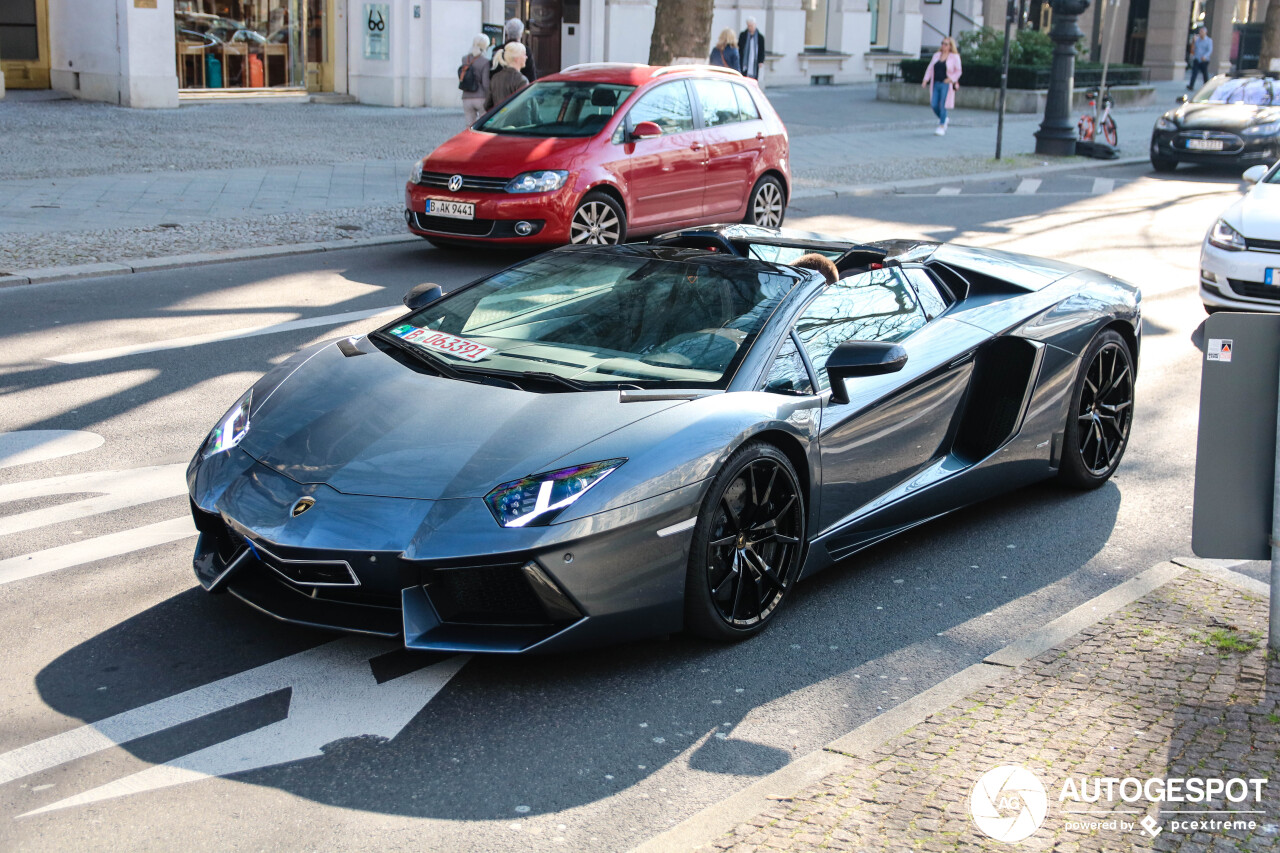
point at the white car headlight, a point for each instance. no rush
(537, 500)
(538, 182)
(1224, 236)
(231, 429)
(1165, 123)
(415, 177)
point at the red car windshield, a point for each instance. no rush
(558, 108)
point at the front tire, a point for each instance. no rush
(767, 204)
(1109, 133)
(598, 221)
(1101, 414)
(745, 556)
(1163, 164)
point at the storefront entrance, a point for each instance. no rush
(254, 44)
(24, 43)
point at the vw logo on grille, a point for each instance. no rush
(302, 506)
(455, 183)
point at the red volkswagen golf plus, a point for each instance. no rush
(601, 152)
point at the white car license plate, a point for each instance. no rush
(451, 209)
(1205, 144)
(1272, 276)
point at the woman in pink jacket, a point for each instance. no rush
(943, 75)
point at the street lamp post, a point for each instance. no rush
(1057, 135)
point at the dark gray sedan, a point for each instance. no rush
(603, 443)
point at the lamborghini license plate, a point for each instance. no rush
(1205, 144)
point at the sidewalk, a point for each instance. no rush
(1176, 685)
(85, 183)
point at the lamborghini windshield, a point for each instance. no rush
(603, 320)
(558, 108)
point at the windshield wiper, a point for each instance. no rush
(421, 355)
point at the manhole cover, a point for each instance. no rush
(345, 227)
(170, 225)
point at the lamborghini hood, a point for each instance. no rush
(370, 425)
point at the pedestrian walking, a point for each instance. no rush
(1201, 48)
(751, 50)
(508, 79)
(473, 79)
(513, 33)
(725, 53)
(943, 75)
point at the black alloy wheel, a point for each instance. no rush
(745, 556)
(1101, 415)
(767, 204)
(598, 221)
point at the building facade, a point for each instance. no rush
(157, 53)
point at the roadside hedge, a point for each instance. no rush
(979, 74)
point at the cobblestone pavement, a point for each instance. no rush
(1177, 685)
(84, 182)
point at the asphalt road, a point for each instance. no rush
(217, 728)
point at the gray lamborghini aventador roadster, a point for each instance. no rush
(608, 442)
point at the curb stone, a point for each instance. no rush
(49, 275)
(715, 821)
(977, 177)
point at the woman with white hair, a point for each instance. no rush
(513, 33)
(507, 80)
(474, 71)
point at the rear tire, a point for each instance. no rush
(767, 204)
(745, 556)
(1101, 414)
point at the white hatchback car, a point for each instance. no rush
(1240, 259)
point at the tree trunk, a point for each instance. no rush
(1270, 37)
(682, 28)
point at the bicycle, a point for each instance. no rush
(1088, 125)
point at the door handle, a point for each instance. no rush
(760, 135)
(696, 146)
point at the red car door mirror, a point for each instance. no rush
(646, 130)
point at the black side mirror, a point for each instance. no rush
(422, 295)
(1182, 99)
(862, 358)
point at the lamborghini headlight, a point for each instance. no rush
(537, 500)
(231, 429)
(1270, 128)
(1165, 123)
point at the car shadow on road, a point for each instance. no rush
(559, 732)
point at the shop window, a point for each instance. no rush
(815, 24)
(246, 44)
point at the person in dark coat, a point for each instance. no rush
(751, 49)
(513, 32)
(725, 53)
(508, 79)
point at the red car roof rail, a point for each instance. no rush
(590, 66)
(719, 69)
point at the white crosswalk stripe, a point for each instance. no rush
(1102, 186)
(1028, 186)
(949, 191)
